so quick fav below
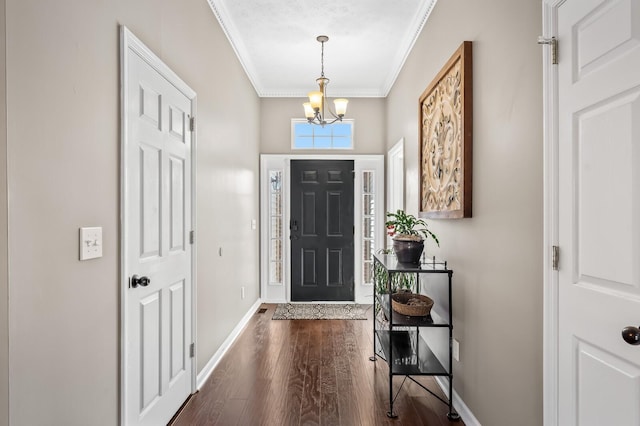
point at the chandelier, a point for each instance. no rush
(314, 109)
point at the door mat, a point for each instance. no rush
(320, 311)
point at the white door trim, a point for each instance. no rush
(551, 218)
(129, 42)
(395, 179)
(281, 294)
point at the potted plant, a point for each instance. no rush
(408, 234)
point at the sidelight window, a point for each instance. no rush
(368, 224)
(275, 228)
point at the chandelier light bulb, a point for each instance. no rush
(315, 99)
(309, 113)
(341, 106)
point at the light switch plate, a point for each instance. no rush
(90, 243)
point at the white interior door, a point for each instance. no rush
(157, 200)
(599, 211)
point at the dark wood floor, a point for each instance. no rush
(307, 373)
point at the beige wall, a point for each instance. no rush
(4, 282)
(496, 255)
(275, 125)
(63, 173)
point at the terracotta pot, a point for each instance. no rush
(408, 251)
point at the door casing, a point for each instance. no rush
(128, 41)
(550, 220)
(282, 294)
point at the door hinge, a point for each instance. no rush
(192, 237)
(553, 42)
(192, 124)
(192, 350)
(555, 257)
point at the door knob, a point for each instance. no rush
(139, 281)
(631, 335)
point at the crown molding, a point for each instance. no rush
(229, 29)
(396, 65)
(410, 40)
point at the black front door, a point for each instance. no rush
(321, 230)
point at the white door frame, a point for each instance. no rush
(551, 217)
(395, 178)
(269, 162)
(128, 41)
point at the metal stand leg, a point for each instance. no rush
(452, 415)
(391, 414)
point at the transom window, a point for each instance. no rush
(338, 135)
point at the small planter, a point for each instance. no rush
(408, 251)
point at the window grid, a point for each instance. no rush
(368, 222)
(305, 135)
(275, 228)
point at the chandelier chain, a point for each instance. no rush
(322, 60)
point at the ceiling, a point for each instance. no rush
(275, 40)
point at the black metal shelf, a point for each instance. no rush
(397, 338)
(409, 354)
(432, 265)
(432, 320)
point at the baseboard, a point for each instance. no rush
(215, 359)
(461, 408)
(274, 301)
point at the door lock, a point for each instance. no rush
(139, 281)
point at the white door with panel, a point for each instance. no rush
(599, 211)
(157, 255)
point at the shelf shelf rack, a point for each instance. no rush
(397, 340)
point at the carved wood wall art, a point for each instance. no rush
(445, 137)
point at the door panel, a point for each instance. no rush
(150, 347)
(309, 268)
(149, 201)
(605, 408)
(322, 260)
(599, 211)
(176, 201)
(157, 210)
(308, 214)
(334, 270)
(177, 326)
(334, 209)
(604, 182)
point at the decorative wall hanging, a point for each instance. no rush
(445, 136)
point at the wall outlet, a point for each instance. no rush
(456, 350)
(90, 242)
(242, 292)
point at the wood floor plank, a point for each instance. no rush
(295, 379)
(305, 372)
(329, 415)
(311, 396)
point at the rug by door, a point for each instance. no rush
(319, 311)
